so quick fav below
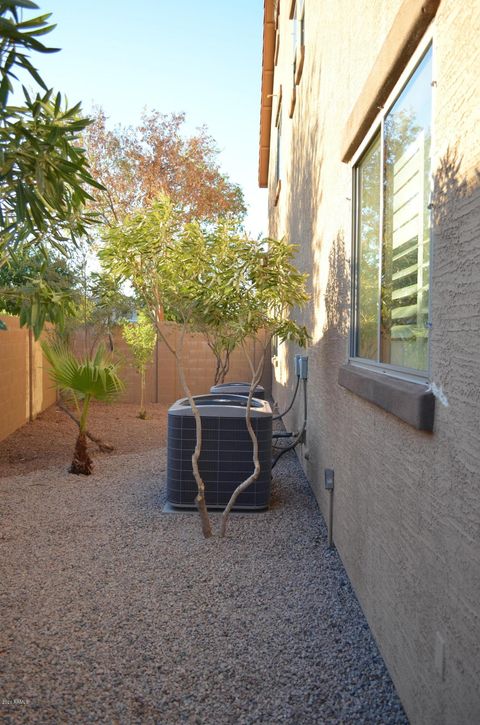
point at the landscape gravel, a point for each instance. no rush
(115, 612)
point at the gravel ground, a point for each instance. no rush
(115, 612)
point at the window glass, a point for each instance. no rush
(368, 181)
(406, 225)
(393, 231)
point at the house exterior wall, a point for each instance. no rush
(406, 502)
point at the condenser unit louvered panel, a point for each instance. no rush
(226, 457)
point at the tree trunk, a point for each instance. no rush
(225, 367)
(103, 447)
(256, 463)
(143, 413)
(222, 362)
(200, 498)
(82, 463)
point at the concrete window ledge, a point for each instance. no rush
(411, 402)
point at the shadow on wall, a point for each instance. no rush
(305, 188)
(449, 191)
(455, 301)
(337, 293)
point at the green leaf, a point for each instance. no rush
(5, 87)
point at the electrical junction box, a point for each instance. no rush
(303, 367)
(329, 479)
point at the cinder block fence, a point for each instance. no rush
(26, 389)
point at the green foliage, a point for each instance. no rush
(38, 289)
(95, 377)
(104, 307)
(210, 277)
(151, 250)
(43, 303)
(141, 337)
(275, 289)
(16, 36)
(44, 173)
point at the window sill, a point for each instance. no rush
(411, 402)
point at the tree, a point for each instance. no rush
(223, 248)
(141, 337)
(211, 279)
(270, 287)
(161, 256)
(85, 379)
(135, 165)
(44, 173)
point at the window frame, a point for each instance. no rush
(377, 127)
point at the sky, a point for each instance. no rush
(202, 58)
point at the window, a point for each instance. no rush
(392, 232)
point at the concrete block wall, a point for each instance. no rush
(25, 387)
(407, 503)
(162, 380)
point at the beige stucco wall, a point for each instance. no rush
(407, 504)
(25, 388)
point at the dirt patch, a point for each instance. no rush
(49, 440)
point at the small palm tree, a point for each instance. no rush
(85, 379)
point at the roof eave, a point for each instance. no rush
(267, 91)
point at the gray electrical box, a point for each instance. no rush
(303, 367)
(329, 478)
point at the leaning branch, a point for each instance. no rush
(200, 498)
(257, 374)
(103, 447)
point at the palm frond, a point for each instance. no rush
(97, 377)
